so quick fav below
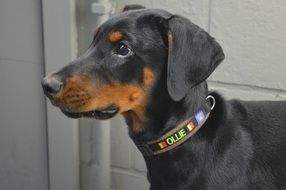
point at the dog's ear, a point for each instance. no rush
(193, 56)
(131, 7)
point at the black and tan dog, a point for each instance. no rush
(150, 66)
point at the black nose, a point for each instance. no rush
(51, 85)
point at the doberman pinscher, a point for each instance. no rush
(151, 66)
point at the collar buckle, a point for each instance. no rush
(211, 99)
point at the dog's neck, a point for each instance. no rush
(164, 114)
(162, 117)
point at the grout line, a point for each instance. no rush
(128, 172)
(209, 16)
(12, 61)
(246, 87)
(48, 165)
(122, 170)
(88, 164)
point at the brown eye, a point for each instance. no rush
(123, 50)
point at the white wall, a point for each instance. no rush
(23, 142)
(252, 34)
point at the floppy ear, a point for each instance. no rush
(131, 7)
(193, 56)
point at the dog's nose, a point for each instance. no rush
(51, 85)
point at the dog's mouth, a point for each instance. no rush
(105, 113)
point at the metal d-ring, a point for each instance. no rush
(212, 101)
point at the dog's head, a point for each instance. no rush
(127, 57)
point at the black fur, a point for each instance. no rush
(190, 49)
(242, 146)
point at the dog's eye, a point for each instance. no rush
(123, 50)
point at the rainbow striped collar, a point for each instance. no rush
(179, 134)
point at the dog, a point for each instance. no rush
(151, 67)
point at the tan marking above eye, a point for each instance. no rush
(115, 36)
(95, 32)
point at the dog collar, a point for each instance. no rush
(180, 134)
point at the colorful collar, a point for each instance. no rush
(180, 134)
